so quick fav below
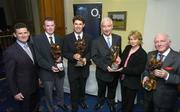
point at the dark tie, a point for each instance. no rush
(79, 37)
(51, 41)
(161, 56)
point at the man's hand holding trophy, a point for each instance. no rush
(149, 82)
(56, 52)
(80, 46)
(115, 59)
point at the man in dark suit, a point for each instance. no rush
(50, 75)
(163, 98)
(101, 55)
(77, 47)
(21, 69)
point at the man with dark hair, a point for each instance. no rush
(50, 75)
(21, 69)
(77, 51)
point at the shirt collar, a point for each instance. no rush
(166, 52)
(80, 34)
(105, 37)
(110, 36)
(21, 44)
(49, 35)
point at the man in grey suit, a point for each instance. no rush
(163, 97)
(50, 75)
(101, 55)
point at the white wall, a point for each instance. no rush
(162, 16)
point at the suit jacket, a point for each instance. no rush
(165, 95)
(101, 56)
(134, 67)
(21, 72)
(70, 50)
(45, 58)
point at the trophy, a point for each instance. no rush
(150, 84)
(56, 52)
(80, 46)
(114, 56)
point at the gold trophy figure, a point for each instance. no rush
(114, 57)
(80, 46)
(56, 52)
(150, 84)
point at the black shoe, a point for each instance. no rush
(63, 107)
(98, 106)
(112, 108)
(84, 105)
(50, 108)
(55, 108)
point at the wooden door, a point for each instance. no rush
(55, 9)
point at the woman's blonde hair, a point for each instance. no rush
(137, 35)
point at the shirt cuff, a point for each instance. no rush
(166, 78)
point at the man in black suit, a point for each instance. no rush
(21, 69)
(163, 98)
(101, 55)
(51, 75)
(77, 47)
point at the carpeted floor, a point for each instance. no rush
(7, 103)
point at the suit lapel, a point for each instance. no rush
(104, 43)
(32, 51)
(113, 41)
(45, 39)
(73, 40)
(24, 54)
(46, 42)
(169, 59)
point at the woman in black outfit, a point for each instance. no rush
(133, 62)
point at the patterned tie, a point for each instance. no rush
(108, 42)
(51, 40)
(28, 51)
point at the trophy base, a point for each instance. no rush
(80, 63)
(150, 85)
(60, 66)
(115, 67)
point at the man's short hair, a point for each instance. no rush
(19, 25)
(80, 18)
(49, 19)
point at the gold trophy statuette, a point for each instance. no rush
(56, 52)
(150, 84)
(114, 55)
(80, 46)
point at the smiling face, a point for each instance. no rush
(106, 26)
(78, 26)
(162, 42)
(133, 41)
(49, 26)
(135, 38)
(22, 34)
